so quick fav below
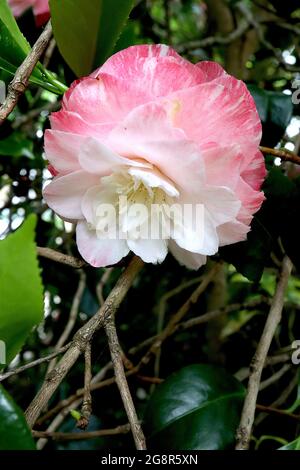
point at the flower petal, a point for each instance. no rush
(62, 149)
(214, 112)
(185, 257)
(97, 251)
(64, 194)
(151, 251)
(147, 133)
(159, 66)
(95, 157)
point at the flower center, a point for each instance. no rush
(134, 203)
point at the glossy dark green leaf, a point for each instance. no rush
(251, 256)
(275, 110)
(16, 145)
(14, 432)
(21, 290)
(196, 408)
(86, 31)
(294, 445)
(13, 45)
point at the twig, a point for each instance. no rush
(283, 154)
(81, 339)
(21, 79)
(102, 283)
(35, 363)
(80, 436)
(215, 40)
(64, 412)
(60, 257)
(244, 372)
(284, 395)
(72, 317)
(116, 357)
(274, 377)
(178, 316)
(258, 361)
(86, 409)
(271, 410)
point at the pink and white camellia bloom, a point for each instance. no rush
(40, 8)
(150, 127)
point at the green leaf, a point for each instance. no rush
(14, 432)
(250, 257)
(21, 290)
(275, 110)
(13, 45)
(197, 408)
(15, 48)
(86, 31)
(294, 445)
(16, 145)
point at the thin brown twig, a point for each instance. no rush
(276, 411)
(72, 316)
(215, 40)
(283, 154)
(35, 363)
(21, 79)
(102, 283)
(284, 395)
(259, 359)
(116, 357)
(58, 257)
(86, 409)
(81, 339)
(80, 436)
(64, 411)
(274, 377)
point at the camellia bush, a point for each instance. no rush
(149, 236)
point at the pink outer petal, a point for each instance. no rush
(147, 133)
(67, 121)
(186, 258)
(41, 11)
(211, 70)
(232, 232)
(253, 169)
(99, 252)
(104, 99)
(218, 113)
(158, 66)
(62, 149)
(18, 7)
(251, 201)
(64, 194)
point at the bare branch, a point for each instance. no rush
(72, 317)
(116, 357)
(283, 154)
(81, 436)
(21, 79)
(86, 409)
(35, 363)
(81, 339)
(259, 359)
(60, 257)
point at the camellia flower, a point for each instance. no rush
(150, 128)
(40, 8)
